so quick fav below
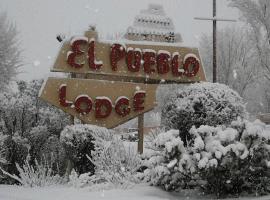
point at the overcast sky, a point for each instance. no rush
(39, 21)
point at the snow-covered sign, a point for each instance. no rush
(100, 102)
(129, 60)
(114, 89)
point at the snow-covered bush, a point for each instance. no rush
(2, 158)
(26, 124)
(53, 152)
(233, 160)
(79, 180)
(39, 175)
(222, 160)
(116, 162)
(2, 152)
(77, 141)
(22, 110)
(168, 165)
(31, 129)
(201, 104)
(15, 150)
(37, 136)
(152, 135)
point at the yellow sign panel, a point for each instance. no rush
(137, 61)
(102, 103)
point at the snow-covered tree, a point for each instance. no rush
(256, 14)
(28, 124)
(21, 111)
(237, 66)
(10, 59)
(267, 98)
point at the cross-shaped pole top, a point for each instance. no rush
(214, 19)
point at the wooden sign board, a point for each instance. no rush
(102, 103)
(135, 61)
(106, 96)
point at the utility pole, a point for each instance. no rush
(214, 42)
(214, 19)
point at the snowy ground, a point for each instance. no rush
(139, 192)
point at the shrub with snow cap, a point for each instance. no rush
(77, 141)
(116, 162)
(169, 164)
(201, 104)
(221, 160)
(232, 160)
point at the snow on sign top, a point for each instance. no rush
(131, 62)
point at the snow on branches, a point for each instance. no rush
(236, 157)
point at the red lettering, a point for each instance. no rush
(117, 53)
(149, 59)
(62, 96)
(163, 66)
(83, 104)
(138, 101)
(76, 51)
(122, 106)
(91, 57)
(136, 56)
(175, 65)
(103, 107)
(191, 66)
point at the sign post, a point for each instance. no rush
(140, 133)
(72, 118)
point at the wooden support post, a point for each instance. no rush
(140, 133)
(70, 164)
(72, 119)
